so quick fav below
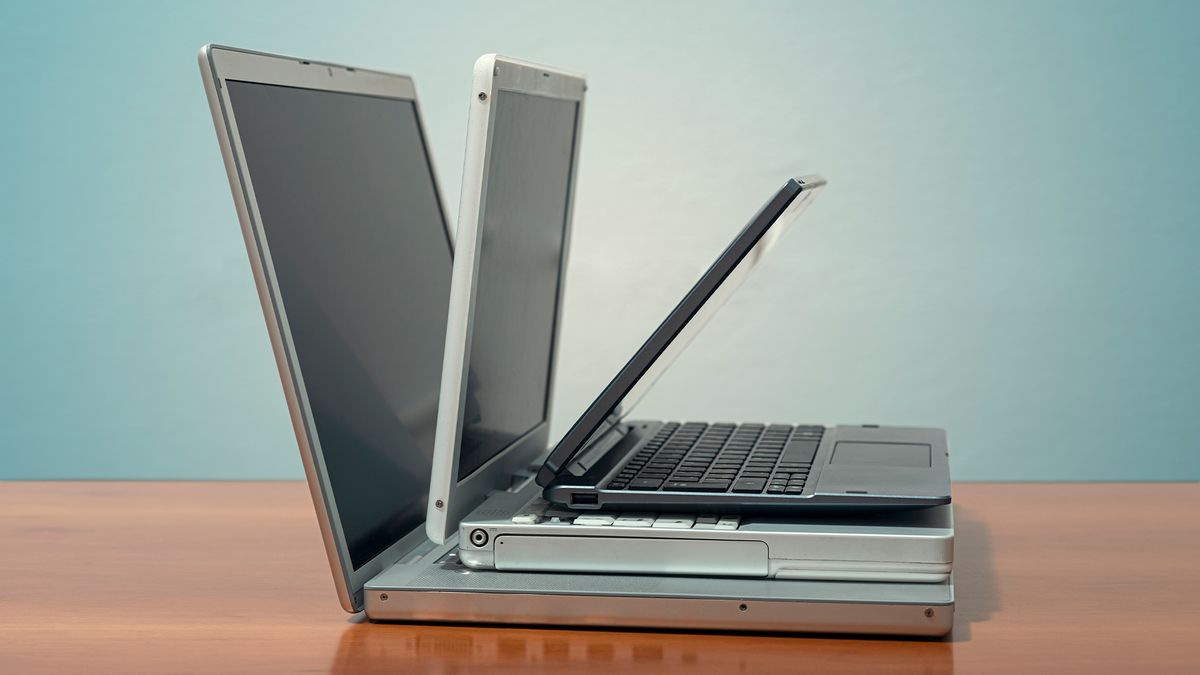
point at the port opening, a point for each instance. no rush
(584, 499)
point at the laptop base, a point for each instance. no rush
(437, 587)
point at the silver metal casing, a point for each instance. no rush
(437, 587)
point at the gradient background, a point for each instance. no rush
(1008, 247)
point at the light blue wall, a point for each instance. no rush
(1009, 246)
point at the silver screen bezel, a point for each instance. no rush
(219, 64)
(449, 498)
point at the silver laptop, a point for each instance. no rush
(518, 530)
(350, 253)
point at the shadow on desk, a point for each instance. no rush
(976, 589)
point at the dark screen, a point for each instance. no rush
(521, 247)
(362, 260)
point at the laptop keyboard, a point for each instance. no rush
(540, 512)
(699, 457)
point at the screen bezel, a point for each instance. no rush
(219, 64)
(687, 318)
(451, 499)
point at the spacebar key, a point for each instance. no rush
(799, 451)
(749, 484)
(702, 486)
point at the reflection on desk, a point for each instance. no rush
(393, 648)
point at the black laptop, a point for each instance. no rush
(605, 462)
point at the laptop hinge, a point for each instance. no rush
(607, 436)
(521, 478)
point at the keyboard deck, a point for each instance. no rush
(700, 457)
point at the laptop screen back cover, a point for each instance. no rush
(717, 284)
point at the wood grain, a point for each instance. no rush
(230, 577)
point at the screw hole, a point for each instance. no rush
(928, 612)
(482, 96)
(742, 607)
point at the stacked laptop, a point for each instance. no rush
(418, 365)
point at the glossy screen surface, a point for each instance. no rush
(525, 210)
(360, 254)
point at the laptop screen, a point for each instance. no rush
(688, 317)
(525, 206)
(361, 255)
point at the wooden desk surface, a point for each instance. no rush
(231, 577)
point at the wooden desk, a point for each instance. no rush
(231, 577)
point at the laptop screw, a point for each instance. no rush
(383, 597)
(742, 607)
(440, 504)
(928, 612)
(482, 96)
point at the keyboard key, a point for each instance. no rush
(596, 519)
(800, 451)
(728, 523)
(697, 486)
(645, 483)
(749, 485)
(674, 521)
(634, 520)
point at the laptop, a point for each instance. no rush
(354, 280)
(605, 462)
(518, 530)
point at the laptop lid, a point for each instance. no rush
(683, 323)
(513, 234)
(351, 254)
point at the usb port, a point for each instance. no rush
(584, 499)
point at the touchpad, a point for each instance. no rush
(881, 454)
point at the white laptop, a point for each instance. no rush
(350, 254)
